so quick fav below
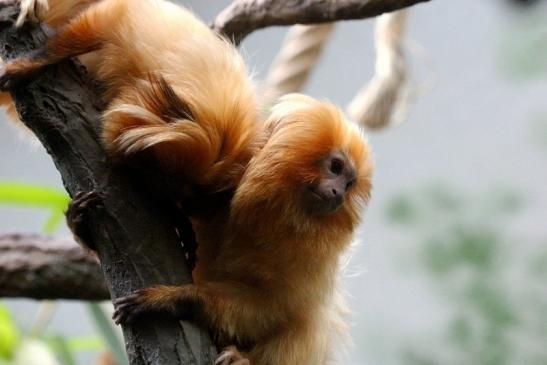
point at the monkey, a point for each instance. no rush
(268, 254)
(266, 271)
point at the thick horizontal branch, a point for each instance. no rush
(39, 267)
(243, 17)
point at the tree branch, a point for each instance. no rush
(245, 16)
(136, 244)
(38, 267)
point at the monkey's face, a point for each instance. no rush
(318, 161)
(314, 169)
(336, 177)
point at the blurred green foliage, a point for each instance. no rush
(65, 348)
(9, 334)
(105, 327)
(494, 288)
(60, 345)
(35, 196)
(538, 131)
(523, 54)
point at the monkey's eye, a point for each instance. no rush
(336, 166)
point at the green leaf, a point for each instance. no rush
(36, 196)
(106, 327)
(32, 195)
(9, 334)
(57, 216)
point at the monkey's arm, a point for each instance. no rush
(209, 303)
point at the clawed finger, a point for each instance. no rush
(132, 298)
(128, 307)
(84, 199)
(81, 203)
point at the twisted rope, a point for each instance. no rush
(300, 52)
(375, 104)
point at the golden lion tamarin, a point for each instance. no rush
(268, 256)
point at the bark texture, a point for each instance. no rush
(243, 17)
(136, 245)
(38, 267)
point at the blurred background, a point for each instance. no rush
(451, 265)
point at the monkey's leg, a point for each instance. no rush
(85, 33)
(77, 216)
(296, 343)
(32, 10)
(54, 12)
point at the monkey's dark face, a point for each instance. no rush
(336, 178)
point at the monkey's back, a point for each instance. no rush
(157, 36)
(144, 39)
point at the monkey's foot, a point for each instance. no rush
(130, 306)
(31, 10)
(231, 356)
(77, 216)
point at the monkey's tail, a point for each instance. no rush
(152, 117)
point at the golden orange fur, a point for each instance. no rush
(279, 262)
(265, 279)
(181, 56)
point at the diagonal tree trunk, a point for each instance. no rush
(136, 245)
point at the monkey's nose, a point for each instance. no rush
(335, 197)
(335, 192)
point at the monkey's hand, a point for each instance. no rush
(31, 10)
(77, 217)
(231, 356)
(178, 301)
